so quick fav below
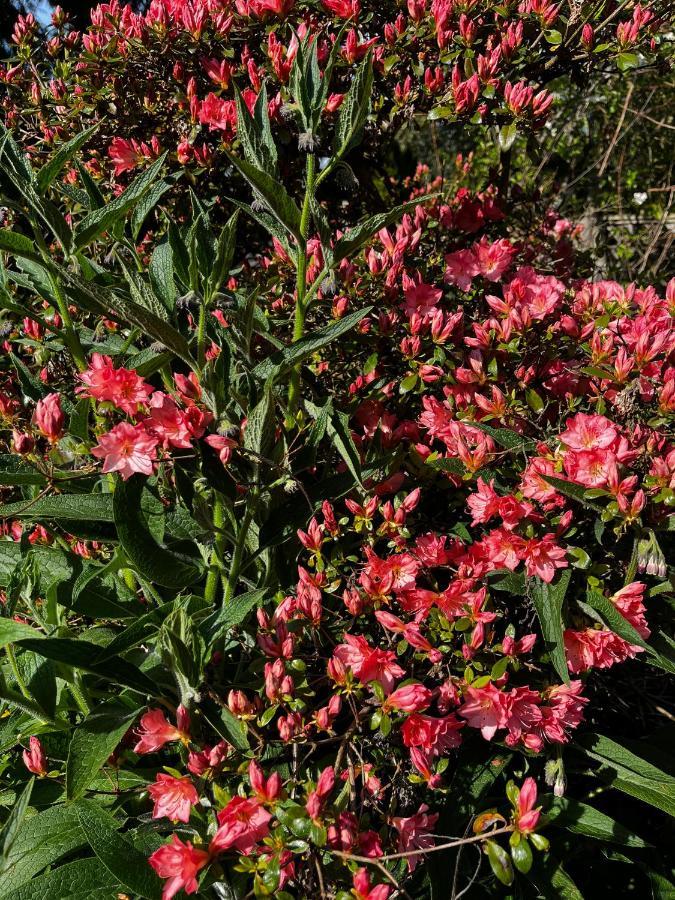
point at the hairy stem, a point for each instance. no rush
(301, 284)
(216, 565)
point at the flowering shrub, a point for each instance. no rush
(324, 512)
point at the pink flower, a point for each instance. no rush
(409, 698)
(155, 731)
(543, 557)
(526, 817)
(266, 790)
(362, 889)
(222, 445)
(484, 504)
(180, 863)
(420, 298)
(127, 155)
(629, 602)
(415, 833)
(219, 114)
(49, 417)
(127, 449)
(242, 824)
(206, 762)
(35, 758)
(588, 433)
(592, 468)
(168, 422)
(124, 388)
(492, 260)
(369, 664)
(324, 788)
(461, 268)
(484, 708)
(173, 797)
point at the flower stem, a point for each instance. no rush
(216, 565)
(233, 577)
(301, 284)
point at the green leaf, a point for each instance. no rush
(224, 254)
(584, 819)
(152, 560)
(91, 744)
(226, 725)
(118, 855)
(10, 829)
(570, 489)
(354, 109)
(254, 133)
(552, 881)
(67, 507)
(52, 169)
(80, 880)
(614, 620)
(41, 841)
(160, 271)
(101, 220)
(355, 238)
(232, 614)
(626, 61)
(143, 209)
(507, 135)
(11, 631)
(628, 772)
(499, 862)
(82, 654)
(340, 434)
(548, 601)
(260, 425)
(506, 438)
(18, 244)
(284, 360)
(275, 196)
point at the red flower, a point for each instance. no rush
(155, 730)
(127, 449)
(180, 863)
(242, 824)
(173, 797)
(526, 817)
(35, 758)
(49, 417)
(415, 833)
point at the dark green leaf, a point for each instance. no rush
(62, 507)
(152, 560)
(83, 655)
(100, 220)
(282, 361)
(548, 601)
(273, 193)
(118, 855)
(91, 744)
(52, 169)
(80, 880)
(584, 819)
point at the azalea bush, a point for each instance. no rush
(336, 495)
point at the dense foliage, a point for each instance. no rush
(337, 493)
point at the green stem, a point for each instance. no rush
(301, 284)
(18, 677)
(70, 336)
(77, 690)
(201, 335)
(235, 567)
(216, 566)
